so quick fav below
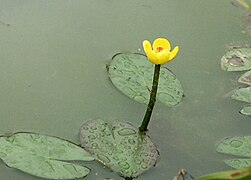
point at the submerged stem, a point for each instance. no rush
(152, 100)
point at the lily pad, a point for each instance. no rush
(245, 78)
(237, 146)
(246, 110)
(238, 163)
(132, 74)
(238, 59)
(119, 146)
(242, 94)
(240, 174)
(43, 156)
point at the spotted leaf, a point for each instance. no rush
(132, 74)
(238, 59)
(237, 146)
(119, 146)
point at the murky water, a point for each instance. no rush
(53, 57)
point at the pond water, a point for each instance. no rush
(53, 57)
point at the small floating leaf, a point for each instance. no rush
(237, 60)
(119, 146)
(245, 78)
(242, 94)
(240, 174)
(43, 156)
(246, 110)
(238, 163)
(132, 74)
(237, 146)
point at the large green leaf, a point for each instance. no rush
(119, 146)
(237, 146)
(238, 59)
(240, 174)
(132, 74)
(43, 156)
(242, 94)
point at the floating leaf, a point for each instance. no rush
(242, 94)
(237, 60)
(245, 78)
(119, 146)
(238, 146)
(246, 110)
(132, 74)
(43, 156)
(240, 174)
(238, 163)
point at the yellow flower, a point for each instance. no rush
(160, 52)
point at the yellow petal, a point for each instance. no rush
(174, 53)
(161, 42)
(151, 55)
(163, 57)
(147, 45)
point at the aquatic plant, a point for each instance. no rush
(239, 146)
(158, 54)
(238, 59)
(118, 145)
(43, 156)
(132, 74)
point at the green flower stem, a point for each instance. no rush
(152, 100)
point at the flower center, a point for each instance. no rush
(158, 49)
